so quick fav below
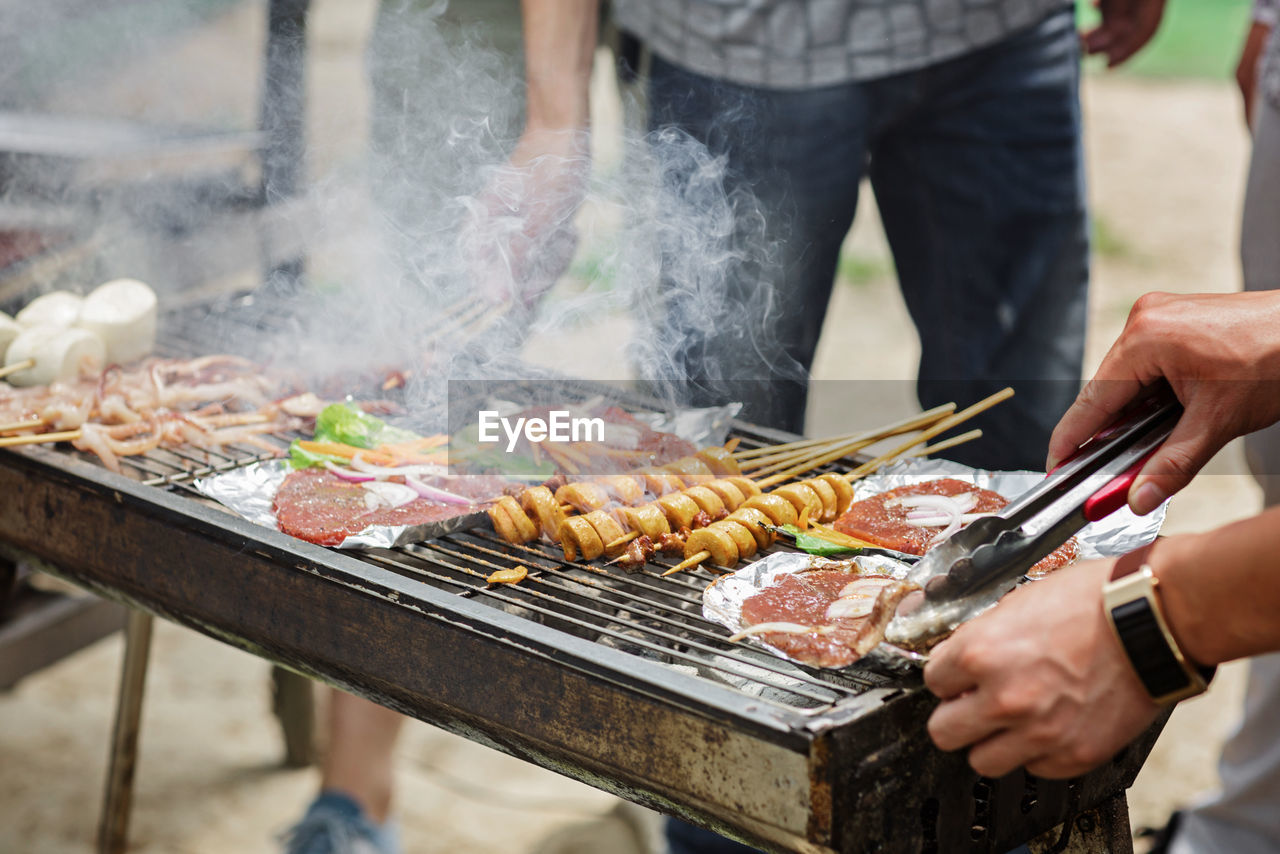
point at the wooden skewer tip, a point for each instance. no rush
(688, 562)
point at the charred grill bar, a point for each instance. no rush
(614, 679)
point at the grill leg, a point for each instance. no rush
(283, 119)
(1101, 830)
(114, 827)
(294, 705)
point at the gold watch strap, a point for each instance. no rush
(1134, 612)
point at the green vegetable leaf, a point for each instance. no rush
(341, 422)
(817, 545)
(301, 459)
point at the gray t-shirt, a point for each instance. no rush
(796, 44)
(1268, 12)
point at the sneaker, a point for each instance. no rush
(335, 824)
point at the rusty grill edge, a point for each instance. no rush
(614, 681)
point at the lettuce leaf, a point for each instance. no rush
(807, 542)
(341, 422)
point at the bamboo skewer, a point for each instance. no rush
(866, 468)
(17, 366)
(622, 541)
(945, 444)
(21, 425)
(686, 563)
(941, 427)
(919, 439)
(795, 451)
(824, 453)
(40, 438)
(799, 444)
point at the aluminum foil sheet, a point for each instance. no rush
(722, 600)
(1117, 534)
(251, 490)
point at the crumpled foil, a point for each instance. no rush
(723, 598)
(1117, 534)
(251, 491)
(703, 427)
(1121, 532)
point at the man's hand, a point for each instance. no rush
(1126, 26)
(1221, 355)
(519, 237)
(1040, 681)
(1247, 68)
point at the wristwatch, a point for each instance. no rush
(1129, 599)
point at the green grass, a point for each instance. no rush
(1104, 240)
(856, 269)
(1197, 38)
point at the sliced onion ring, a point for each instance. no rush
(435, 493)
(396, 471)
(347, 474)
(781, 628)
(851, 607)
(962, 503)
(388, 494)
(933, 520)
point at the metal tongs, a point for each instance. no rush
(974, 567)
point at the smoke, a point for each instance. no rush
(439, 217)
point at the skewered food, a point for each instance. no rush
(9, 330)
(59, 354)
(660, 482)
(579, 537)
(510, 521)
(803, 498)
(123, 314)
(779, 510)
(648, 519)
(541, 504)
(205, 403)
(706, 500)
(60, 309)
(679, 509)
(583, 495)
(717, 541)
(720, 461)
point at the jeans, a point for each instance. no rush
(977, 167)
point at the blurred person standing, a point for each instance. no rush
(965, 116)
(442, 103)
(1243, 817)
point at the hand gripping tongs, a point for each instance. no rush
(974, 567)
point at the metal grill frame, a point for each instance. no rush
(855, 775)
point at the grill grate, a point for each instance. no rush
(641, 613)
(621, 681)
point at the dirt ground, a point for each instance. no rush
(1166, 161)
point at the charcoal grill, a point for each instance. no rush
(612, 678)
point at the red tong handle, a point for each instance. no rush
(1115, 494)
